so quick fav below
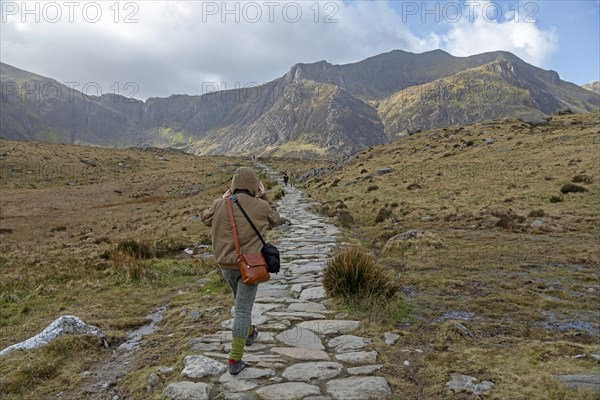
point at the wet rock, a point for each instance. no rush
(288, 391)
(187, 391)
(465, 383)
(359, 388)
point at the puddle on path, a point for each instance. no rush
(134, 338)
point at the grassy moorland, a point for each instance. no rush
(507, 248)
(67, 213)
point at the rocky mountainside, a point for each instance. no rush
(593, 86)
(316, 109)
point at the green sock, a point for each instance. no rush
(251, 330)
(237, 348)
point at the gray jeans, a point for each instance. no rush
(244, 296)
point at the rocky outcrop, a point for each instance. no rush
(65, 325)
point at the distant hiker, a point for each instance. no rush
(286, 178)
(250, 192)
(292, 179)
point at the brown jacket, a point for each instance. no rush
(262, 212)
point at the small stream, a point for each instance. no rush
(134, 338)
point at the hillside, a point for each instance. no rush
(314, 110)
(492, 230)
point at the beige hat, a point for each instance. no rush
(245, 178)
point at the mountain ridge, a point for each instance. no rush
(314, 110)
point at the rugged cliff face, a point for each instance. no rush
(314, 110)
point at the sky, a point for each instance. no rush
(148, 49)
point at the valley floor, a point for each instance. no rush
(492, 231)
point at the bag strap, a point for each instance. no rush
(236, 201)
(232, 224)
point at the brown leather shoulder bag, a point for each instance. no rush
(253, 266)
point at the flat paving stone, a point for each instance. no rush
(288, 391)
(300, 337)
(237, 385)
(298, 353)
(330, 326)
(307, 307)
(260, 308)
(295, 315)
(249, 357)
(187, 391)
(306, 372)
(257, 320)
(303, 279)
(239, 396)
(364, 370)
(278, 293)
(247, 373)
(198, 345)
(315, 293)
(345, 343)
(254, 348)
(358, 357)
(359, 388)
(219, 337)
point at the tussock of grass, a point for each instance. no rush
(354, 274)
(135, 249)
(384, 213)
(585, 179)
(131, 267)
(572, 188)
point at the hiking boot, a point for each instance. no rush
(235, 367)
(251, 338)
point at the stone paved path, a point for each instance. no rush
(303, 351)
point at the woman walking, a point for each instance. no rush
(250, 192)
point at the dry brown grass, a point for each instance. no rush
(62, 223)
(528, 294)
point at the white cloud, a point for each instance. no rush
(177, 46)
(515, 33)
